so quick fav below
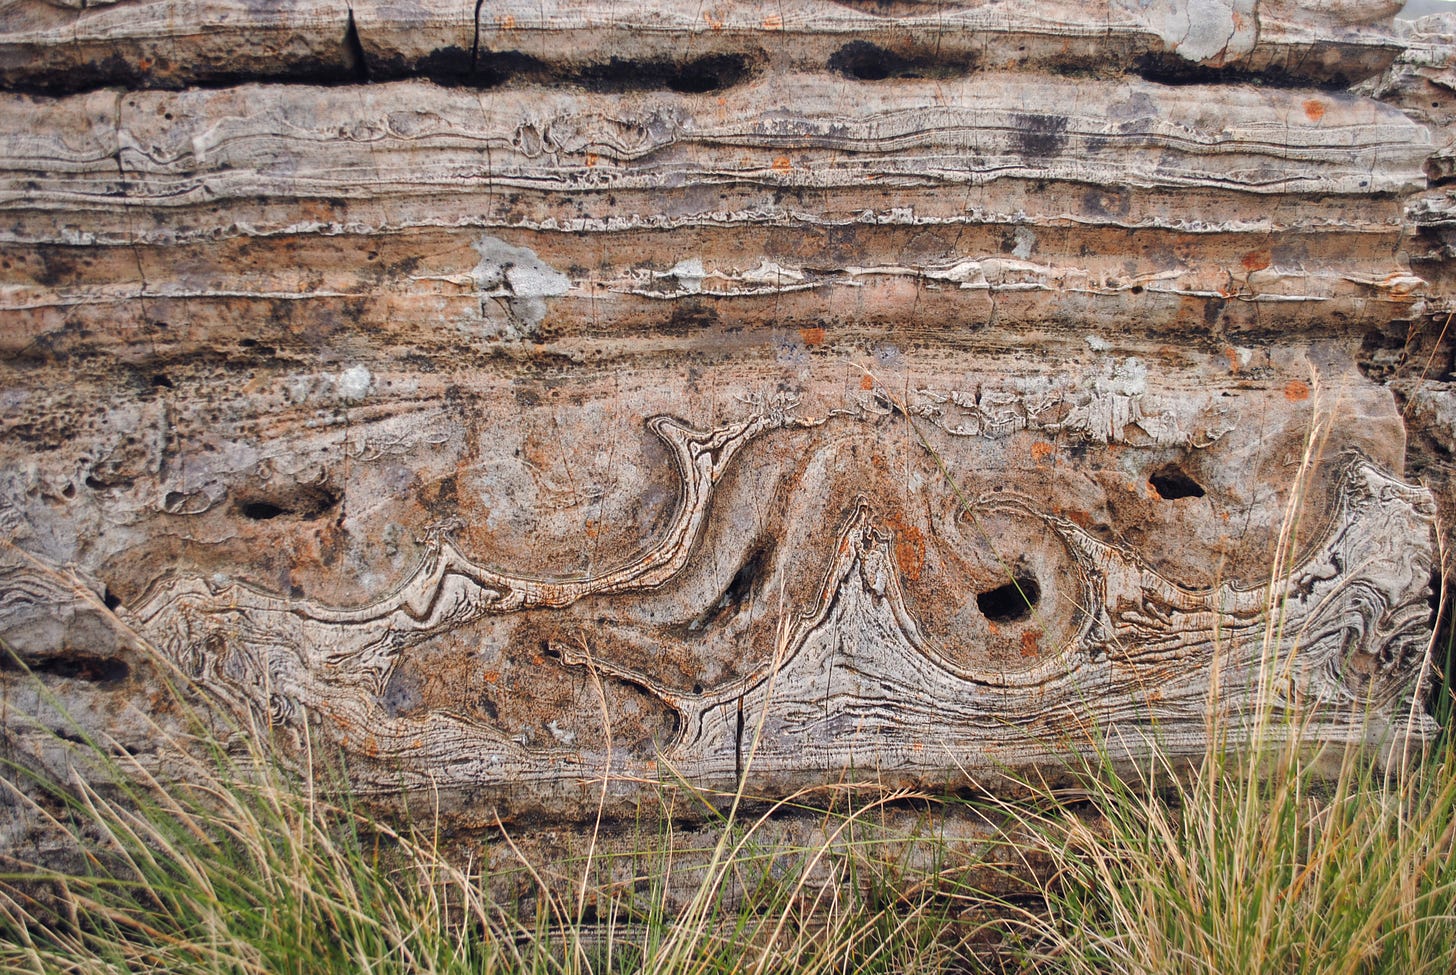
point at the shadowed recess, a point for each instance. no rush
(1011, 602)
(1172, 483)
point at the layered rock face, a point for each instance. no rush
(526, 396)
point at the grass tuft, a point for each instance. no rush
(244, 865)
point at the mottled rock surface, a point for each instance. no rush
(526, 396)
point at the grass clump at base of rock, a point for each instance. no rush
(1263, 857)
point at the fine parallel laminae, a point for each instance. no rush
(57, 45)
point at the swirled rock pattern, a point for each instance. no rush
(526, 397)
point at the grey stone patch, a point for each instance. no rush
(520, 280)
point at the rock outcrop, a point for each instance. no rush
(527, 396)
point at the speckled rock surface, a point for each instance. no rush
(522, 397)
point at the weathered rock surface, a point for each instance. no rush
(767, 393)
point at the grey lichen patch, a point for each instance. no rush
(519, 280)
(354, 383)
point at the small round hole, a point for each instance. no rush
(1172, 483)
(260, 510)
(1011, 602)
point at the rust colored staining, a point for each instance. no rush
(773, 22)
(714, 22)
(593, 528)
(909, 547)
(781, 164)
(1402, 286)
(1314, 109)
(490, 676)
(1031, 643)
(866, 381)
(1256, 260)
(1296, 391)
(1041, 450)
(508, 22)
(592, 159)
(1232, 355)
(812, 336)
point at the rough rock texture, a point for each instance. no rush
(527, 396)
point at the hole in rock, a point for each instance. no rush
(864, 61)
(1011, 602)
(1171, 484)
(260, 510)
(738, 590)
(1171, 68)
(712, 72)
(305, 501)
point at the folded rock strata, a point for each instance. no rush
(527, 397)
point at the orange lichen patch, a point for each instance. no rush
(781, 164)
(773, 22)
(918, 747)
(508, 22)
(1296, 391)
(866, 381)
(1256, 260)
(1041, 450)
(1232, 355)
(592, 159)
(909, 547)
(812, 336)
(714, 22)
(1314, 109)
(1031, 643)
(490, 676)
(593, 528)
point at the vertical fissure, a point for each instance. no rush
(475, 39)
(738, 745)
